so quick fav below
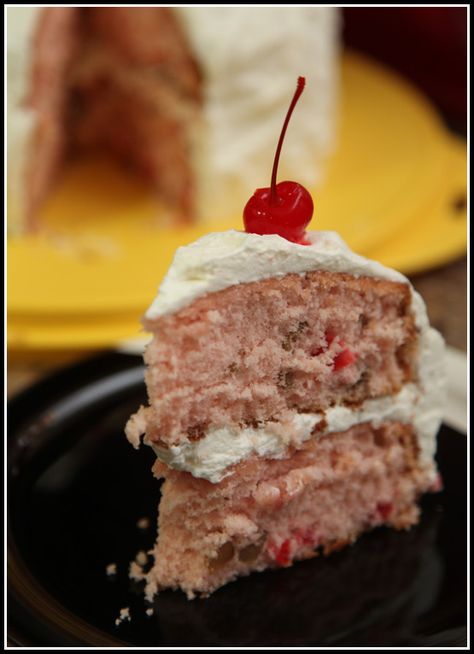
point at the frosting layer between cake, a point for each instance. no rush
(417, 404)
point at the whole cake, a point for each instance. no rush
(295, 391)
(189, 97)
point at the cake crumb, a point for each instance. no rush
(111, 569)
(124, 615)
(151, 590)
(143, 523)
(149, 611)
(135, 571)
(141, 558)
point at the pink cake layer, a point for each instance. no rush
(137, 93)
(118, 79)
(54, 46)
(316, 340)
(270, 513)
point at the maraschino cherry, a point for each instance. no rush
(285, 208)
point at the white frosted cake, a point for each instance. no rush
(295, 392)
(189, 97)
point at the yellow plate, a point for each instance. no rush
(390, 191)
(438, 234)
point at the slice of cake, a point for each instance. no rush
(294, 399)
(294, 396)
(188, 97)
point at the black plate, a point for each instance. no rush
(77, 489)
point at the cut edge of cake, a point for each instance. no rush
(204, 116)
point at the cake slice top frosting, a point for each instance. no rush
(222, 259)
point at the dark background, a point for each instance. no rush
(428, 45)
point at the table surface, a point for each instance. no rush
(444, 291)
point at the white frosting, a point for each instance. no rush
(220, 260)
(250, 63)
(21, 121)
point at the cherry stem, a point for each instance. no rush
(299, 90)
